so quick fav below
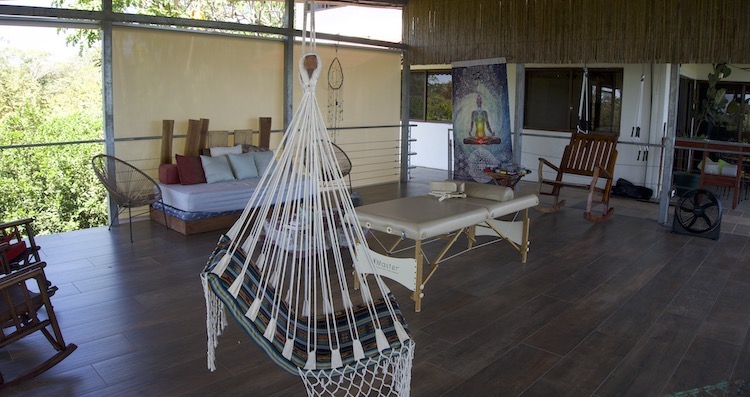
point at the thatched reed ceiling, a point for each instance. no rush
(578, 31)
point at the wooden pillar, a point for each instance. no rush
(264, 124)
(167, 132)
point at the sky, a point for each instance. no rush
(366, 22)
(41, 39)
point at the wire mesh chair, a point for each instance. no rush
(345, 164)
(128, 186)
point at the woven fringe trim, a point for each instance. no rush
(216, 321)
(388, 374)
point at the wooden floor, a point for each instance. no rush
(623, 308)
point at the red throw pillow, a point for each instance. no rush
(190, 170)
(15, 250)
(169, 174)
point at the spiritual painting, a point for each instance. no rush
(481, 118)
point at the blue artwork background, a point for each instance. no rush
(491, 82)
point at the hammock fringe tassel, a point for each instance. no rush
(216, 321)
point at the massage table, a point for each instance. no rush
(470, 210)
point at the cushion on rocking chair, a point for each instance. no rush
(15, 250)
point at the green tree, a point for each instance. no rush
(43, 100)
(262, 12)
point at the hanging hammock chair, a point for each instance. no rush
(284, 269)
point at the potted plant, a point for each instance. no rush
(711, 115)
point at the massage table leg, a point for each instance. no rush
(418, 292)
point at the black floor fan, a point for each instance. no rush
(698, 213)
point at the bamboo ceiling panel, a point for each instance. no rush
(578, 31)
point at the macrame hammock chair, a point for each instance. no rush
(281, 270)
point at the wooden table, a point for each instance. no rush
(505, 179)
(706, 145)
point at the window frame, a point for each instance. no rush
(425, 74)
(572, 77)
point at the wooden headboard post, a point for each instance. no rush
(167, 132)
(265, 133)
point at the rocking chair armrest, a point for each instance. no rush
(600, 171)
(19, 222)
(547, 163)
(34, 270)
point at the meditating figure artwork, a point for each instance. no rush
(480, 121)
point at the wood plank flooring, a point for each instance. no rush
(622, 308)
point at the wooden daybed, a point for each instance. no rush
(192, 209)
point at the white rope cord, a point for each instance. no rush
(287, 228)
(297, 223)
(635, 133)
(583, 104)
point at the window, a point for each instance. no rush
(737, 125)
(431, 94)
(553, 96)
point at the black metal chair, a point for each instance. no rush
(128, 186)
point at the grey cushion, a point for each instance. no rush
(262, 160)
(216, 169)
(243, 165)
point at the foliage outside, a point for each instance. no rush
(44, 99)
(439, 97)
(712, 109)
(260, 12)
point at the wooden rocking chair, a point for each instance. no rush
(19, 316)
(588, 155)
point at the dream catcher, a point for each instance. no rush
(335, 96)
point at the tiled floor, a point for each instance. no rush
(619, 308)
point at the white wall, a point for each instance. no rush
(233, 80)
(431, 146)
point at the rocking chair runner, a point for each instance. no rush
(19, 317)
(588, 155)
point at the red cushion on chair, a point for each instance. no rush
(14, 250)
(169, 174)
(190, 170)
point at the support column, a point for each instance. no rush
(288, 63)
(666, 172)
(518, 121)
(405, 109)
(107, 101)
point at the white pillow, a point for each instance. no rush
(220, 151)
(243, 165)
(216, 169)
(262, 160)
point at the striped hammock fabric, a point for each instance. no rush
(275, 346)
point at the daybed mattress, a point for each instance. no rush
(209, 197)
(190, 216)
